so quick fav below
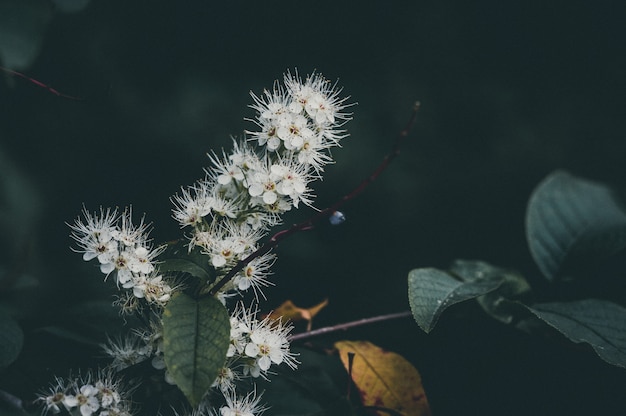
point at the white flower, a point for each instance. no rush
(293, 181)
(109, 397)
(153, 338)
(95, 234)
(225, 207)
(255, 274)
(242, 406)
(293, 130)
(56, 399)
(318, 97)
(271, 105)
(223, 252)
(119, 262)
(313, 154)
(240, 322)
(129, 234)
(126, 351)
(228, 169)
(268, 135)
(281, 205)
(271, 109)
(86, 400)
(268, 345)
(142, 259)
(190, 207)
(244, 237)
(153, 289)
(262, 183)
(262, 220)
(226, 378)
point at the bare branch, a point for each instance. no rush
(348, 325)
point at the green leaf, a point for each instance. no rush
(196, 335)
(431, 291)
(571, 218)
(599, 323)
(11, 340)
(497, 303)
(177, 258)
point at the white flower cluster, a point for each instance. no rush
(248, 405)
(126, 352)
(235, 405)
(255, 345)
(86, 396)
(243, 195)
(137, 347)
(246, 191)
(123, 248)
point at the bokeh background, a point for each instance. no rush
(510, 91)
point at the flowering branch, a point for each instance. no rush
(348, 325)
(243, 195)
(326, 212)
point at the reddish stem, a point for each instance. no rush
(326, 212)
(39, 84)
(348, 325)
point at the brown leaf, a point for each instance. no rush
(385, 379)
(289, 311)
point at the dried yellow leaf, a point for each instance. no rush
(289, 311)
(384, 379)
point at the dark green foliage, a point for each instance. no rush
(571, 220)
(178, 258)
(599, 323)
(573, 226)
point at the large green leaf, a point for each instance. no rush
(11, 340)
(431, 291)
(499, 302)
(196, 335)
(568, 218)
(599, 323)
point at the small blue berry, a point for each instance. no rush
(337, 218)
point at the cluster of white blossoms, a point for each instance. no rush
(136, 347)
(86, 396)
(245, 192)
(123, 249)
(255, 345)
(235, 405)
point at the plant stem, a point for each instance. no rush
(348, 325)
(326, 212)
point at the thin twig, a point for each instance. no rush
(39, 84)
(348, 325)
(326, 212)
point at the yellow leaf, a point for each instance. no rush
(384, 379)
(289, 311)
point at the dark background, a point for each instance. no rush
(510, 91)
